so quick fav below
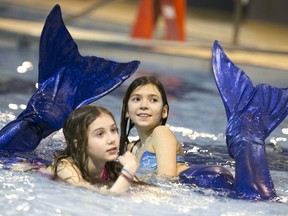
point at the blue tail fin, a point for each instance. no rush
(253, 113)
(233, 84)
(262, 107)
(66, 81)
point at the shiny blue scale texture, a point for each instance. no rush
(66, 81)
(252, 114)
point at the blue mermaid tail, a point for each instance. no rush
(252, 114)
(263, 107)
(66, 81)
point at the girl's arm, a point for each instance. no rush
(164, 143)
(69, 173)
(130, 166)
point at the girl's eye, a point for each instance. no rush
(99, 134)
(114, 130)
(135, 99)
(153, 99)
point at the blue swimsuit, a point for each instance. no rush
(148, 160)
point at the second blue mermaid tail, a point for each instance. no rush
(66, 81)
(252, 114)
(257, 111)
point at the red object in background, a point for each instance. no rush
(173, 13)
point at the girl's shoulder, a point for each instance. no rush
(162, 130)
(65, 164)
(162, 137)
(68, 171)
(60, 162)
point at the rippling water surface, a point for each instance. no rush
(196, 116)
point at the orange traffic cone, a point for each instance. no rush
(180, 6)
(144, 24)
(173, 12)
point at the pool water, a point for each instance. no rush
(197, 117)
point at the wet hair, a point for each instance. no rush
(126, 125)
(75, 133)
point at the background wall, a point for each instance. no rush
(274, 11)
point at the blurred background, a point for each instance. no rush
(253, 32)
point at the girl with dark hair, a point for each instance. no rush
(252, 114)
(92, 148)
(126, 123)
(67, 81)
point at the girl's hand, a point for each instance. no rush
(130, 166)
(129, 162)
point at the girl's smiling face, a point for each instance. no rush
(145, 107)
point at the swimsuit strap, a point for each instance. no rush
(105, 175)
(138, 148)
